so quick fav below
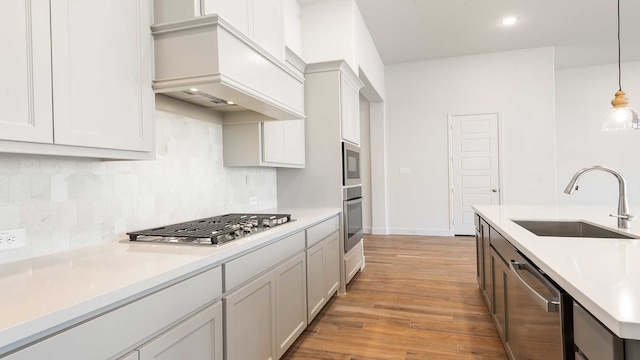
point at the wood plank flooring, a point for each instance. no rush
(416, 299)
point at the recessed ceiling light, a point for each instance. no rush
(193, 89)
(230, 103)
(509, 20)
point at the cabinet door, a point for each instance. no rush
(102, 70)
(250, 325)
(316, 294)
(332, 264)
(25, 74)
(291, 302)
(283, 142)
(486, 253)
(268, 26)
(350, 111)
(199, 337)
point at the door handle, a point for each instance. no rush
(494, 190)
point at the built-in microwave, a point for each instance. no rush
(350, 165)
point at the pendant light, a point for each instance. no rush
(621, 117)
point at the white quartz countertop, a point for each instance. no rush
(603, 275)
(42, 295)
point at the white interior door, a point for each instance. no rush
(474, 164)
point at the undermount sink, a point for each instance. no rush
(569, 229)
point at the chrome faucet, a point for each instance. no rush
(624, 218)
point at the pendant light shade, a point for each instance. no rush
(621, 117)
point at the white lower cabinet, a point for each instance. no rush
(316, 296)
(332, 264)
(291, 302)
(199, 337)
(250, 325)
(323, 273)
(353, 262)
(266, 316)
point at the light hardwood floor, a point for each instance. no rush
(416, 299)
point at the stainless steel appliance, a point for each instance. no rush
(350, 165)
(352, 212)
(211, 231)
(534, 313)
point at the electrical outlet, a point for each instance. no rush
(12, 239)
(253, 200)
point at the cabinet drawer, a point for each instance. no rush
(322, 230)
(117, 331)
(593, 339)
(247, 266)
(353, 261)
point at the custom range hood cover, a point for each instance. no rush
(205, 61)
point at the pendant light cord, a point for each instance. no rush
(619, 67)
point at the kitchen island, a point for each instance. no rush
(602, 274)
(46, 297)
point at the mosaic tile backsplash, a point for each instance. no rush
(66, 203)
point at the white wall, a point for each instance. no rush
(583, 97)
(66, 203)
(419, 95)
(335, 30)
(365, 163)
(292, 36)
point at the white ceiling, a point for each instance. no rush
(582, 31)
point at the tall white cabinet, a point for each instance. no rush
(332, 107)
(76, 78)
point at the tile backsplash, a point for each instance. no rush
(66, 203)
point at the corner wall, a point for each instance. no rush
(419, 96)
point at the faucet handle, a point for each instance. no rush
(624, 216)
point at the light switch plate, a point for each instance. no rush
(253, 200)
(405, 171)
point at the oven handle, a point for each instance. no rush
(353, 200)
(552, 305)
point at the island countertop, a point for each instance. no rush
(46, 294)
(603, 275)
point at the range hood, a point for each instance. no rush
(206, 61)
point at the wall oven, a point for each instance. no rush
(352, 212)
(350, 165)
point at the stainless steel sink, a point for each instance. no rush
(569, 229)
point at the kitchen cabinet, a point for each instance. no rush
(353, 262)
(268, 144)
(291, 302)
(260, 20)
(483, 260)
(81, 84)
(127, 326)
(323, 273)
(316, 269)
(199, 337)
(350, 109)
(25, 74)
(250, 325)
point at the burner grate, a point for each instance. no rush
(217, 229)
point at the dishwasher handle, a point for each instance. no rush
(549, 305)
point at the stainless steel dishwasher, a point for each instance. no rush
(537, 313)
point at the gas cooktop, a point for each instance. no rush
(211, 231)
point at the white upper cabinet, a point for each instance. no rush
(260, 20)
(268, 144)
(350, 110)
(77, 74)
(25, 74)
(283, 142)
(102, 72)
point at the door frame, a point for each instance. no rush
(501, 193)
